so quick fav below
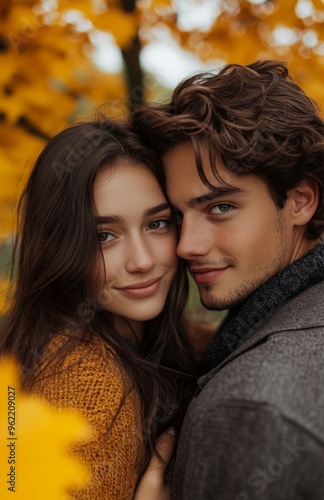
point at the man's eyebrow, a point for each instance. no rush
(117, 219)
(215, 194)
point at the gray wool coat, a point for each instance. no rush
(256, 429)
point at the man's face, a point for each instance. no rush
(234, 238)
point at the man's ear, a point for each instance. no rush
(304, 199)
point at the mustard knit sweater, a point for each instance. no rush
(91, 382)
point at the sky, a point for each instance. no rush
(163, 59)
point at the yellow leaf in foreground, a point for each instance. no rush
(35, 439)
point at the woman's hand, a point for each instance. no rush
(153, 486)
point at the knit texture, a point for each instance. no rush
(91, 382)
(245, 319)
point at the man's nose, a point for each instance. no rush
(194, 239)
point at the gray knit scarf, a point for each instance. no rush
(243, 320)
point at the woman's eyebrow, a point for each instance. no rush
(109, 219)
(156, 209)
(117, 219)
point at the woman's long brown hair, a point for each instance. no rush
(56, 249)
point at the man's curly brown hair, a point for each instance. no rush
(255, 117)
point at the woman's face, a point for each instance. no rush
(138, 242)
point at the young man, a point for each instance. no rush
(243, 158)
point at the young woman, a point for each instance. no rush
(96, 318)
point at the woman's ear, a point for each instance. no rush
(305, 199)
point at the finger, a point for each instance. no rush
(163, 451)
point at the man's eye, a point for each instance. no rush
(178, 217)
(221, 208)
(105, 237)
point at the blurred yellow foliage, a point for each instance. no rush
(15, 144)
(48, 80)
(21, 20)
(244, 31)
(35, 441)
(121, 25)
(160, 3)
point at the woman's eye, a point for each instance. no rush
(105, 237)
(159, 224)
(221, 208)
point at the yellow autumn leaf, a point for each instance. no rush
(309, 75)
(55, 116)
(58, 39)
(120, 24)
(160, 3)
(284, 12)
(318, 4)
(39, 102)
(9, 177)
(21, 20)
(247, 47)
(104, 87)
(18, 151)
(37, 94)
(12, 107)
(9, 67)
(35, 66)
(4, 6)
(84, 6)
(66, 72)
(36, 439)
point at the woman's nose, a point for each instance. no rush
(140, 257)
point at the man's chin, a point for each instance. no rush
(220, 303)
(214, 305)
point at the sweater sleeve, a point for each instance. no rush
(91, 382)
(238, 450)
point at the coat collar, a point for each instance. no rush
(284, 319)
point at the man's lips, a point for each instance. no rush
(207, 274)
(142, 289)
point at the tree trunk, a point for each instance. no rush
(133, 68)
